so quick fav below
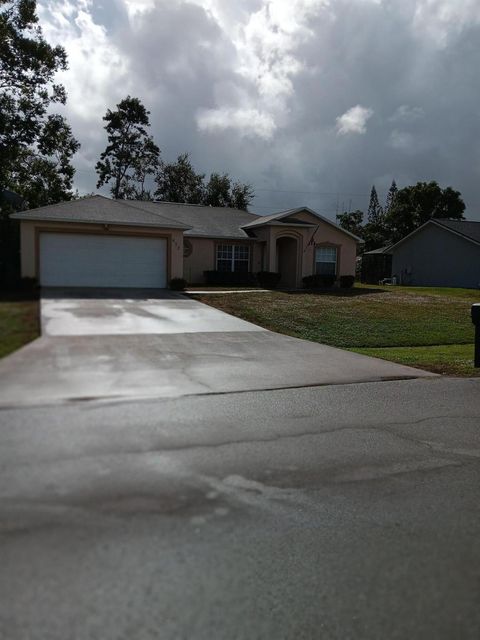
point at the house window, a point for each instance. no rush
(326, 261)
(233, 257)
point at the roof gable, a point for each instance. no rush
(468, 230)
(290, 214)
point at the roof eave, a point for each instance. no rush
(19, 216)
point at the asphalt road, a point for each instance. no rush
(340, 512)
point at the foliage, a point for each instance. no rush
(178, 182)
(241, 196)
(417, 204)
(45, 176)
(406, 209)
(268, 279)
(351, 221)
(223, 278)
(391, 197)
(36, 145)
(131, 154)
(318, 281)
(217, 191)
(177, 284)
(347, 282)
(375, 211)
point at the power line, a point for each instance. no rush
(318, 193)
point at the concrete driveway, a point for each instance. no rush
(134, 345)
(116, 312)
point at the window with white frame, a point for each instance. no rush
(233, 257)
(326, 261)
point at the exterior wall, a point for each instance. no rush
(203, 257)
(328, 235)
(434, 257)
(30, 230)
(323, 235)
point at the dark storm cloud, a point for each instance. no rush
(259, 88)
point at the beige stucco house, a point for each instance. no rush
(102, 242)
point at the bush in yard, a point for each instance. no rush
(268, 279)
(346, 282)
(178, 284)
(229, 278)
(28, 284)
(318, 281)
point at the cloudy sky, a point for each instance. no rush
(310, 101)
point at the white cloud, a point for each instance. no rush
(266, 42)
(405, 113)
(96, 68)
(354, 120)
(135, 7)
(443, 19)
(248, 122)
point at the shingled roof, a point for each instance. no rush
(100, 210)
(467, 228)
(195, 220)
(202, 221)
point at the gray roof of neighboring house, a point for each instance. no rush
(203, 221)
(280, 216)
(468, 229)
(380, 250)
(100, 210)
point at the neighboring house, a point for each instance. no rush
(101, 242)
(440, 253)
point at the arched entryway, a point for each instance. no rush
(287, 258)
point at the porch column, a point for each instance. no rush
(272, 251)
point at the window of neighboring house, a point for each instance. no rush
(233, 257)
(326, 261)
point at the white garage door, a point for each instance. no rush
(78, 260)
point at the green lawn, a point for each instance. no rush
(395, 323)
(19, 322)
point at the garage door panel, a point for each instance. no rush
(85, 260)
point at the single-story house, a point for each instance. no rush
(100, 242)
(440, 253)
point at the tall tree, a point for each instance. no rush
(391, 196)
(44, 175)
(131, 154)
(220, 192)
(179, 182)
(217, 191)
(351, 221)
(28, 128)
(375, 212)
(36, 145)
(241, 196)
(415, 205)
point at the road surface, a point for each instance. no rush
(336, 512)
